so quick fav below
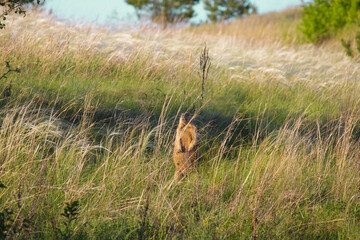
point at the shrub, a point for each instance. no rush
(323, 17)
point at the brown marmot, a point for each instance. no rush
(186, 147)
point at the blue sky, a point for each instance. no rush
(119, 11)
(265, 6)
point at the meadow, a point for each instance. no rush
(87, 132)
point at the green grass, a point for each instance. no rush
(94, 122)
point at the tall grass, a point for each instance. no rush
(92, 117)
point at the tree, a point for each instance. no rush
(16, 6)
(220, 10)
(321, 18)
(165, 11)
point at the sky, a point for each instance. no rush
(115, 11)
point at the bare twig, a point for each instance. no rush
(9, 70)
(7, 90)
(205, 64)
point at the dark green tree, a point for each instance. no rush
(321, 18)
(16, 6)
(165, 11)
(220, 10)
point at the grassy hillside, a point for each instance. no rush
(91, 118)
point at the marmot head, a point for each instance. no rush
(187, 117)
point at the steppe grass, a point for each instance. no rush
(91, 118)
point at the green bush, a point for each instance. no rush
(323, 17)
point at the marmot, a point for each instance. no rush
(186, 147)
